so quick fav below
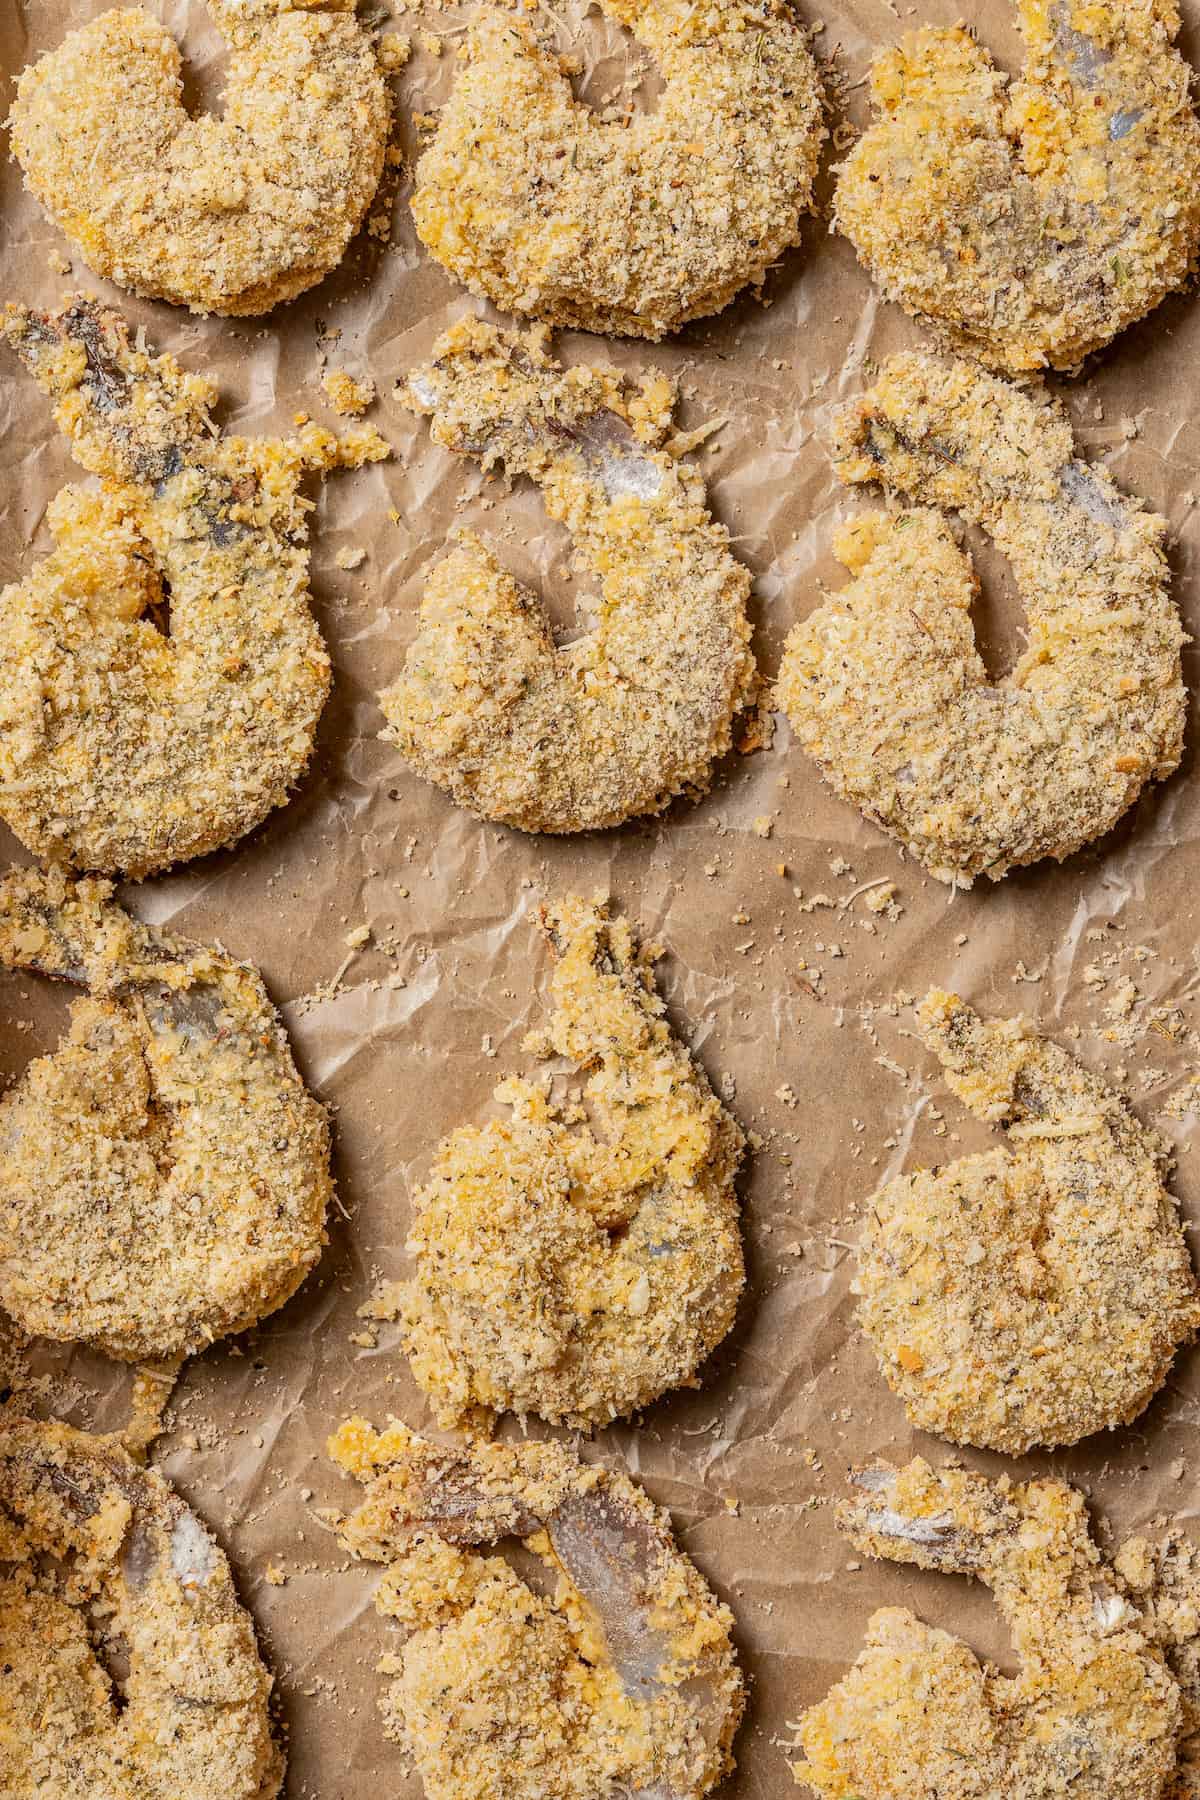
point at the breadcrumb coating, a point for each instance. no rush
(164, 1175)
(1035, 1294)
(223, 215)
(1031, 221)
(621, 1681)
(639, 225)
(1164, 1581)
(620, 722)
(883, 684)
(1094, 1714)
(568, 1273)
(96, 1548)
(126, 747)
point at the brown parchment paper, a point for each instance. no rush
(789, 1004)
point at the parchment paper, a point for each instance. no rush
(792, 1006)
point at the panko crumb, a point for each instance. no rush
(348, 395)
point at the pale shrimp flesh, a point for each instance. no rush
(883, 683)
(570, 1272)
(623, 1682)
(637, 711)
(102, 1563)
(164, 1174)
(630, 226)
(161, 674)
(224, 215)
(1029, 222)
(1093, 1714)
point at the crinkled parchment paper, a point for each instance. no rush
(789, 1003)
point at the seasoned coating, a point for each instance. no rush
(94, 1548)
(164, 1174)
(634, 226)
(622, 1681)
(1094, 1714)
(1164, 1580)
(1031, 221)
(124, 747)
(619, 722)
(883, 684)
(571, 1273)
(224, 215)
(1033, 1294)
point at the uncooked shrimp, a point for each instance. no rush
(125, 748)
(91, 1543)
(620, 722)
(1031, 222)
(1035, 1294)
(1163, 1579)
(633, 226)
(163, 1174)
(568, 1274)
(623, 1682)
(225, 215)
(1093, 1714)
(883, 683)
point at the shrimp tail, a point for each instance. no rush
(130, 417)
(942, 1519)
(1007, 1074)
(73, 931)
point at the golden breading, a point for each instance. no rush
(225, 215)
(632, 226)
(124, 747)
(1094, 1714)
(95, 1547)
(619, 722)
(164, 1174)
(621, 1681)
(1164, 1581)
(1037, 1293)
(572, 1274)
(883, 684)
(1031, 221)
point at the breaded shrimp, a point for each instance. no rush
(93, 1545)
(622, 1682)
(1163, 1579)
(618, 723)
(1094, 1713)
(638, 225)
(225, 215)
(574, 1275)
(125, 748)
(1035, 1294)
(164, 1174)
(1031, 222)
(883, 684)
